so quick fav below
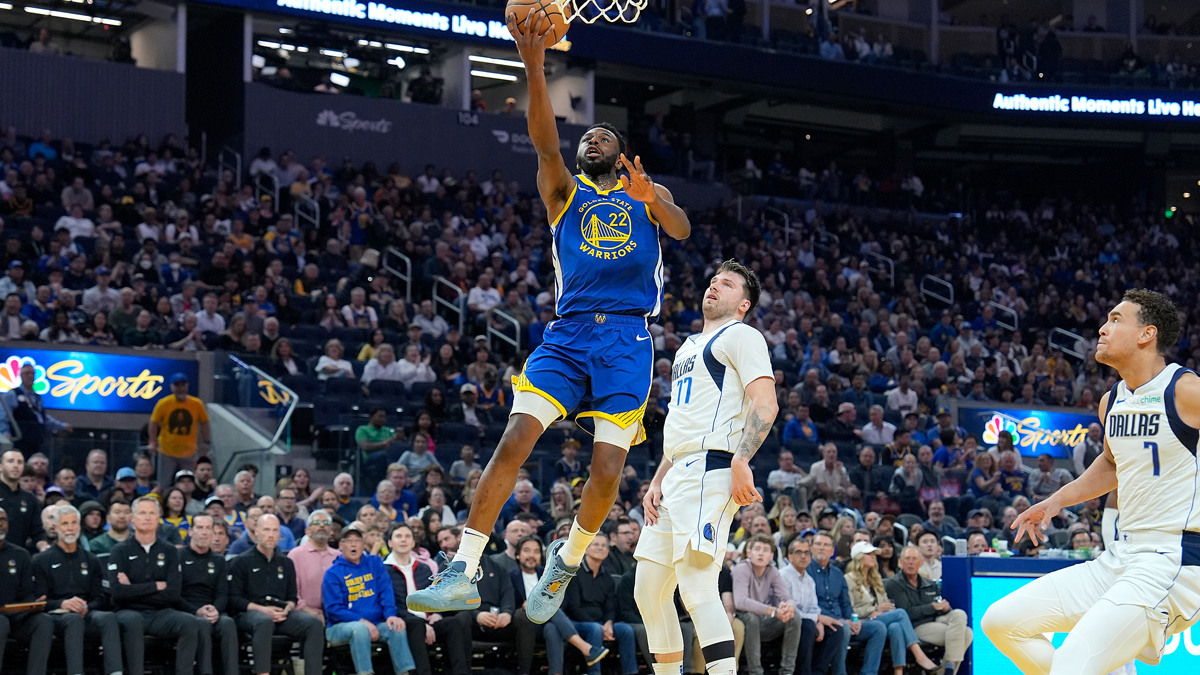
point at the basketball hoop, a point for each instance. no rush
(612, 11)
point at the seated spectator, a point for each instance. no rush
(937, 523)
(932, 618)
(814, 653)
(1012, 476)
(382, 366)
(764, 605)
(830, 479)
(833, 596)
(591, 605)
(930, 545)
(413, 368)
(907, 482)
(522, 501)
(437, 504)
(332, 364)
(872, 479)
(976, 542)
(262, 596)
(1048, 479)
(360, 606)
(375, 441)
(249, 536)
(346, 505)
(870, 601)
(462, 467)
(878, 432)
(143, 335)
(358, 314)
(801, 426)
(468, 411)
(791, 480)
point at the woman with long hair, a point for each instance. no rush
(870, 601)
(438, 504)
(906, 486)
(435, 405)
(100, 334)
(375, 339)
(60, 329)
(424, 423)
(985, 483)
(283, 359)
(560, 502)
(462, 505)
(231, 338)
(886, 555)
(781, 502)
(385, 496)
(432, 520)
(174, 504)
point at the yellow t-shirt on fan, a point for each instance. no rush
(179, 425)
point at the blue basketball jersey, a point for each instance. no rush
(606, 254)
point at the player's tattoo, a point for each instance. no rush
(754, 434)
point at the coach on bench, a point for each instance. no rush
(144, 580)
(72, 580)
(262, 592)
(17, 585)
(205, 595)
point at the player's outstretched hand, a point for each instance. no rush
(1035, 520)
(650, 503)
(637, 184)
(742, 487)
(532, 35)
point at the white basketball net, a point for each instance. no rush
(612, 11)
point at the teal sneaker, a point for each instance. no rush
(449, 591)
(547, 595)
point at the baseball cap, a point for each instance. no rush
(213, 499)
(178, 377)
(943, 411)
(468, 387)
(481, 337)
(845, 407)
(185, 474)
(126, 473)
(966, 325)
(15, 263)
(862, 548)
(354, 527)
(103, 271)
(54, 489)
(974, 512)
(829, 511)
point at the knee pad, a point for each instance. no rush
(610, 432)
(537, 406)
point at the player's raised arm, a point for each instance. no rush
(554, 180)
(673, 220)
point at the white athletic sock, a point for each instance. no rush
(572, 552)
(1108, 526)
(470, 550)
(672, 668)
(722, 667)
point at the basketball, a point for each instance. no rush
(521, 9)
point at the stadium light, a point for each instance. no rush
(286, 31)
(268, 44)
(497, 62)
(258, 61)
(72, 16)
(5, 5)
(333, 53)
(339, 79)
(494, 76)
(398, 61)
(350, 62)
(1187, 195)
(406, 48)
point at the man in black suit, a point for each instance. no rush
(24, 526)
(205, 594)
(17, 585)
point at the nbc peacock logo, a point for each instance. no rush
(10, 375)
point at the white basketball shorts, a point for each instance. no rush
(697, 510)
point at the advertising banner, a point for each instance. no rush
(1181, 654)
(386, 131)
(1034, 432)
(92, 381)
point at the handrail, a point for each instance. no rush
(1005, 310)
(306, 210)
(821, 236)
(289, 397)
(940, 283)
(405, 276)
(1075, 338)
(460, 300)
(234, 165)
(516, 343)
(787, 223)
(891, 265)
(260, 189)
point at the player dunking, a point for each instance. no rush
(722, 407)
(609, 280)
(1128, 601)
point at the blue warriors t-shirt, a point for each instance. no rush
(606, 254)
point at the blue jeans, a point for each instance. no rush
(874, 633)
(358, 636)
(626, 644)
(557, 631)
(900, 634)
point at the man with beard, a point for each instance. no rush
(24, 526)
(119, 515)
(608, 262)
(72, 582)
(33, 628)
(204, 594)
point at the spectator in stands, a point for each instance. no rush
(831, 481)
(145, 593)
(383, 366)
(930, 545)
(801, 426)
(178, 430)
(902, 398)
(834, 600)
(204, 593)
(872, 479)
(431, 324)
(522, 501)
(591, 604)
(841, 427)
(462, 467)
(932, 618)
(374, 441)
(332, 364)
(976, 542)
(622, 541)
(70, 580)
(871, 602)
(311, 559)
(814, 653)
(358, 314)
(118, 518)
(1086, 451)
(764, 605)
(360, 606)
(1012, 476)
(343, 487)
(419, 458)
(142, 335)
(508, 559)
(878, 432)
(415, 369)
(468, 411)
(262, 593)
(33, 628)
(101, 297)
(1048, 479)
(936, 522)
(27, 410)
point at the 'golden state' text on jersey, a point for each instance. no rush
(708, 389)
(1157, 471)
(606, 254)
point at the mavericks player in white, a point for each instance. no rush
(1124, 604)
(722, 407)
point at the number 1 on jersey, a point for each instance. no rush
(682, 398)
(1153, 448)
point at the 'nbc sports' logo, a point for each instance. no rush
(67, 380)
(1029, 434)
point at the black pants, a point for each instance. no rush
(73, 628)
(415, 627)
(304, 628)
(225, 632)
(34, 628)
(812, 656)
(169, 624)
(460, 628)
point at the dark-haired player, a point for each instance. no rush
(609, 279)
(1145, 587)
(722, 407)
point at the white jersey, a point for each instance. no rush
(708, 389)
(1157, 472)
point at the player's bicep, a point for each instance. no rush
(1187, 400)
(554, 182)
(745, 350)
